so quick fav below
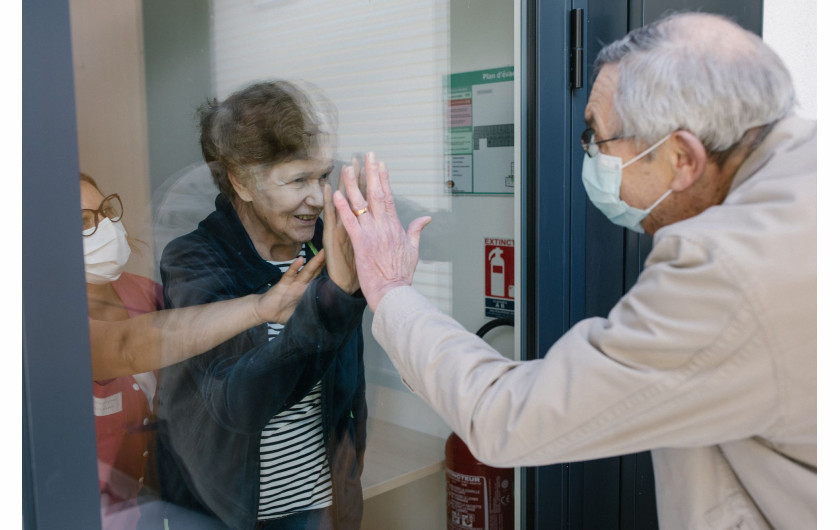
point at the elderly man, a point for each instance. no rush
(710, 359)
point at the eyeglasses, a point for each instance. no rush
(590, 147)
(110, 207)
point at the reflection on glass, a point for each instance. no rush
(387, 69)
(269, 426)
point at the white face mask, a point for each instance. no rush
(602, 182)
(106, 252)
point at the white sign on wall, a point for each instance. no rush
(479, 132)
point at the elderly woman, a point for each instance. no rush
(268, 428)
(130, 338)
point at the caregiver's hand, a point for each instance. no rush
(386, 254)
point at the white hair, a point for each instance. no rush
(700, 73)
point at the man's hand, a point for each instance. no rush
(386, 255)
(278, 303)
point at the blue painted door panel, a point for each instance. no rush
(577, 264)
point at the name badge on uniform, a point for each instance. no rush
(107, 405)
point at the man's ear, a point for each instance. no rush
(241, 190)
(689, 160)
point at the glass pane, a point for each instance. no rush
(429, 86)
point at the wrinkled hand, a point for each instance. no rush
(278, 303)
(341, 263)
(386, 254)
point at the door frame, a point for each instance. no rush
(59, 477)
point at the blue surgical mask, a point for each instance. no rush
(602, 181)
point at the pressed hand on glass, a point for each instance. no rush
(341, 264)
(386, 255)
(278, 303)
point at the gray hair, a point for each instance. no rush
(700, 73)
(263, 124)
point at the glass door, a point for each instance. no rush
(432, 87)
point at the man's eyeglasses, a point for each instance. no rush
(110, 207)
(590, 146)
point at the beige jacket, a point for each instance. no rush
(709, 360)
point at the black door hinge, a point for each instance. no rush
(576, 59)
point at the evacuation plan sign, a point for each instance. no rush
(479, 132)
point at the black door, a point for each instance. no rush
(577, 264)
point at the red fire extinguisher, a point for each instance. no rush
(478, 496)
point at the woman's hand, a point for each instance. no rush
(386, 255)
(341, 262)
(278, 303)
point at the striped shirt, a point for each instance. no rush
(294, 472)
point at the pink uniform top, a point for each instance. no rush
(125, 420)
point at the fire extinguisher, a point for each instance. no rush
(478, 496)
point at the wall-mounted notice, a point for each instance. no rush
(498, 277)
(479, 132)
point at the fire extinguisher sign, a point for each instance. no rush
(498, 277)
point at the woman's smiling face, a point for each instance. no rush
(279, 208)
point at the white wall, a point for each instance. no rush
(790, 28)
(111, 111)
